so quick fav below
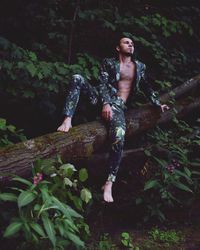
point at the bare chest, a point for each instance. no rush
(127, 72)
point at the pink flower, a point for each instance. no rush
(37, 178)
(174, 164)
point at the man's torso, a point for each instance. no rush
(127, 75)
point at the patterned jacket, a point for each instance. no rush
(110, 74)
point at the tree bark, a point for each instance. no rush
(84, 140)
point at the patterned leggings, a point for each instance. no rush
(117, 125)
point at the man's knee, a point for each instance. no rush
(78, 79)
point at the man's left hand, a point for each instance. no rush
(164, 107)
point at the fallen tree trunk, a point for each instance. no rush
(187, 88)
(83, 140)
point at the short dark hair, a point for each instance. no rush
(123, 36)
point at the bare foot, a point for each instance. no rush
(66, 125)
(107, 194)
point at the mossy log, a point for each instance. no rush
(84, 140)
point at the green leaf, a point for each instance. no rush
(38, 229)
(68, 182)
(31, 69)
(70, 224)
(49, 228)
(45, 194)
(61, 206)
(67, 210)
(196, 172)
(49, 170)
(28, 93)
(37, 207)
(46, 69)
(68, 166)
(13, 228)
(86, 195)
(161, 215)
(178, 172)
(59, 159)
(195, 164)
(172, 93)
(32, 56)
(22, 180)
(25, 198)
(160, 162)
(125, 235)
(83, 174)
(2, 123)
(182, 186)
(20, 65)
(60, 226)
(39, 75)
(77, 202)
(108, 24)
(147, 152)
(151, 184)
(11, 128)
(68, 169)
(75, 239)
(8, 197)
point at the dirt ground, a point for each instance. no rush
(110, 239)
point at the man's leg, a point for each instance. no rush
(116, 133)
(77, 84)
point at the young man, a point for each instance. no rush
(119, 78)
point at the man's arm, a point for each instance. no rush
(103, 83)
(148, 91)
(104, 92)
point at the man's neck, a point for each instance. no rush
(125, 59)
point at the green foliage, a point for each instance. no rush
(165, 39)
(49, 209)
(171, 237)
(105, 243)
(34, 64)
(174, 180)
(127, 241)
(24, 74)
(168, 59)
(9, 134)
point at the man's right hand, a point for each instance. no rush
(107, 112)
(66, 125)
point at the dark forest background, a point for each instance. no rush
(42, 43)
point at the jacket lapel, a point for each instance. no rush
(137, 65)
(117, 70)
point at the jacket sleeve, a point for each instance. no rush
(103, 86)
(147, 89)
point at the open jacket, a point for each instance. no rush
(110, 74)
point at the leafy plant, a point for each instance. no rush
(174, 175)
(49, 209)
(126, 240)
(105, 243)
(9, 134)
(171, 237)
(24, 74)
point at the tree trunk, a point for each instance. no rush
(84, 140)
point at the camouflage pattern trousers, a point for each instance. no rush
(116, 126)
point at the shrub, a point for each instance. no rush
(50, 208)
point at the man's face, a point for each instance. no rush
(126, 46)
